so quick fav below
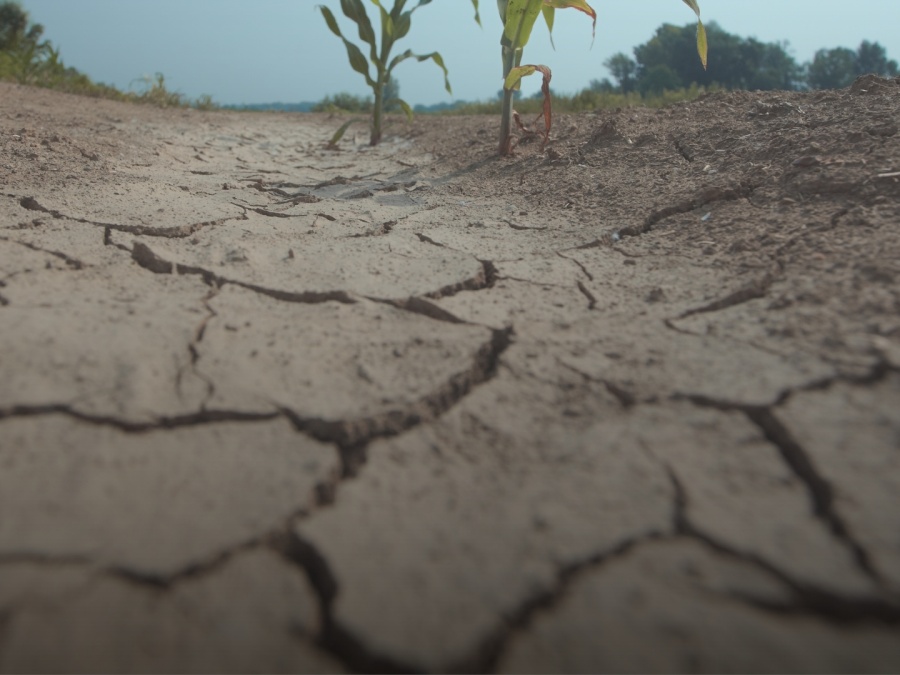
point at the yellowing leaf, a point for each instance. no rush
(515, 76)
(702, 44)
(694, 6)
(580, 5)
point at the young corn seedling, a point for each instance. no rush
(519, 17)
(395, 25)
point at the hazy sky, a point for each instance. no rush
(255, 51)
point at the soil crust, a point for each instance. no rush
(627, 401)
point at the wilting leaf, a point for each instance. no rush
(580, 5)
(516, 75)
(518, 17)
(434, 56)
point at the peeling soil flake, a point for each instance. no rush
(630, 403)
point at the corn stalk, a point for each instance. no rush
(519, 17)
(395, 25)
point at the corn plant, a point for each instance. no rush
(519, 17)
(395, 25)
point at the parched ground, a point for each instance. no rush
(627, 403)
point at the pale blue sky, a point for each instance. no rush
(255, 51)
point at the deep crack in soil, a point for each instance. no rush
(419, 408)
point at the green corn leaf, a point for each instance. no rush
(330, 20)
(356, 12)
(339, 134)
(434, 56)
(357, 60)
(520, 18)
(402, 25)
(395, 24)
(477, 16)
(387, 23)
(549, 15)
(549, 18)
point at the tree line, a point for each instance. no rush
(27, 58)
(668, 62)
(660, 68)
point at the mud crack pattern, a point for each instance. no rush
(630, 405)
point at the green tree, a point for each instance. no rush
(871, 57)
(604, 86)
(15, 29)
(657, 79)
(23, 56)
(775, 67)
(669, 59)
(832, 69)
(624, 71)
(837, 68)
(666, 60)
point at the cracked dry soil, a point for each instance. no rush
(629, 404)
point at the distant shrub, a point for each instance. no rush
(586, 100)
(155, 92)
(344, 102)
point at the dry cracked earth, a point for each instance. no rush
(630, 402)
